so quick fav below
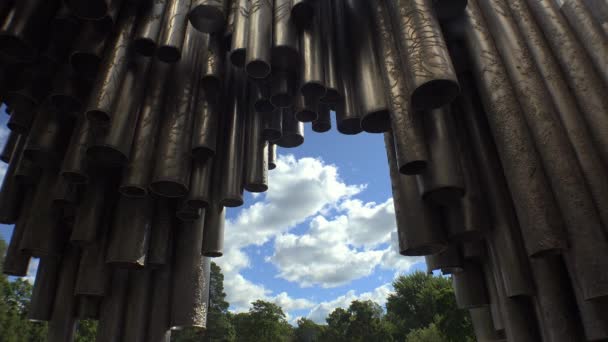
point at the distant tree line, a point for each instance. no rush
(422, 309)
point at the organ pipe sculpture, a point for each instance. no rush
(133, 124)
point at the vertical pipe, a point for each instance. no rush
(470, 286)
(213, 234)
(303, 12)
(45, 288)
(88, 308)
(149, 24)
(111, 313)
(240, 33)
(272, 156)
(159, 251)
(306, 108)
(282, 89)
(206, 126)
(212, 73)
(285, 46)
(200, 184)
(46, 142)
(90, 10)
(273, 125)
(293, 130)
(430, 76)
(333, 79)
(62, 325)
(186, 213)
(159, 314)
(448, 260)
(89, 218)
(483, 325)
(107, 87)
(93, 274)
(256, 155)
(447, 9)
(173, 32)
(87, 51)
(539, 218)
(9, 147)
(130, 236)
(557, 155)
(260, 39)
(137, 306)
(418, 228)
(11, 195)
(208, 16)
(406, 124)
(17, 261)
(312, 73)
(323, 121)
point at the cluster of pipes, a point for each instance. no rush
(135, 123)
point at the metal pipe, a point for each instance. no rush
(200, 184)
(430, 76)
(9, 147)
(585, 83)
(101, 108)
(312, 73)
(582, 221)
(171, 175)
(111, 313)
(442, 182)
(333, 80)
(282, 93)
(599, 10)
(64, 28)
(95, 203)
(173, 32)
(448, 261)
(226, 37)
(406, 124)
(68, 93)
(306, 108)
(285, 50)
(88, 308)
(293, 130)
(367, 80)
(538, 215)
(186, 213)
(212, 73)
(188, 297)
(323, 121)
(484, 327)
(17, 261)
(93, 274)
(130, 236)
(160, 301)
(205, 134)
(47, 140)
(208, 16)
(260, 97)
(240, 33)
(150, 20)
(589, 33)
(21, 121)
(137, 306)
(87, 51)
(272, 129)
(161, 236)
(418, 229)
(62, 325)
(303, 12)
(213, 234)
(272, 156)
(259, 43)
(11, 196)
(469, 286)
(90, 10)
(138, 170)
(255, 177)
(45, 288)
(447, 9)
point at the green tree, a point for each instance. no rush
(308, 331)
(363, 321)
(428, 334)
(265, 321)
(86, 331)
(219, 326)
(420, 300)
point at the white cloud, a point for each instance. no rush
(321, 310)
(30, 277)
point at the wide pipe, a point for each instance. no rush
(95, 202)
(111, 313)
(448, 261)
(257, 57)
(430, 76)
(62, 325)
(45, 287)
(285, 50)
(208, 16)
(145, 41)
(93, 274)
(159, 250)
(333, 79)
(312, 73)
(213, 234)
(212, 72)
(173, 32)
(130, 236)
(240, 33)
(303, 12)
(323, 121)
(406, 124)
(537, 212)
(200, 184)
(293, 130)
(137, 306)
(206, 125)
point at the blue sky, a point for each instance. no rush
(322, 236)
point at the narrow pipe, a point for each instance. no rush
(418, 229)
(189, 300)
(186, 213)
(173, 32)
(138, 171)
(130, 236)
(68, 93)
(47, 140)
(448, 261)
(260, 97)
(145, 41)
(226, 37)
(45, 287)
(447, 9)
(306, 108)
(539, 218)
(240, 33)
(90, 10)
(442, 182)
(272, 156)
(87, 51)
(272, 125)
(206, 123)
(282, 89)
(256, 155)
(111, 313)
(199, 196)
(469, 286)
(62, 325)
(93, 274)
(208, 16)
(9, 147)
(137, 306)
(259, 43)
(430, 76)
(100, 108)
(293, 130)
(333, 79)
(159, 251)
(323, 121)
(213, 233)
(212, 73)
(483, 326)
(312, 73)
(367, 80)
(285, 50)
(303, 13)
(88, 308)
(95, 202)
(11, 196)
(17, 261)
(159, 315)
(406, 124)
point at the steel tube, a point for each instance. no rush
(589, 33)
(17, 261)
(537, 212)
(260, 98)
(137, 306)
(111, 312)
(45, 287)
(171, 175)
(159, 315)
(566, 107)
(64, 28)
(62, 325)
(138, 171)
(469, 286)
(212, 73)
(599, 10)
(173, 32)
(189, 300)
(505, 237)
(159, 250)
(26, 173)
(46, 142)
(200, 184)
(272, 129)
(226, 37)
(442, 182)
(21, 121)
(492, 279)
(303, 12)
(130, 236)
(68, 93)
(9, 147)
(418, 229)
(483, 326)
(88, 308)
(240, 33)
(186, 213)
(96, 201)
(259, 43)
(293, 130)
(306, 108)
(406, 124)
(256, 155)
(333, 80)
(11, 196)
(94, 275)
(208, 16)
(582, 221)
(285, 50)
(87, 51)
(272, 156)
(282, 94)
(584, 81)
(367, 80)
(323, 121)
(213, 233)
(312, 73)
(206, 124)
(430, 76)
(448, 261)
(107, 87)
(90, 10)
(447, 9)
(145, 41)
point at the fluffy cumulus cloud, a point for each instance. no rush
(344, 238)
